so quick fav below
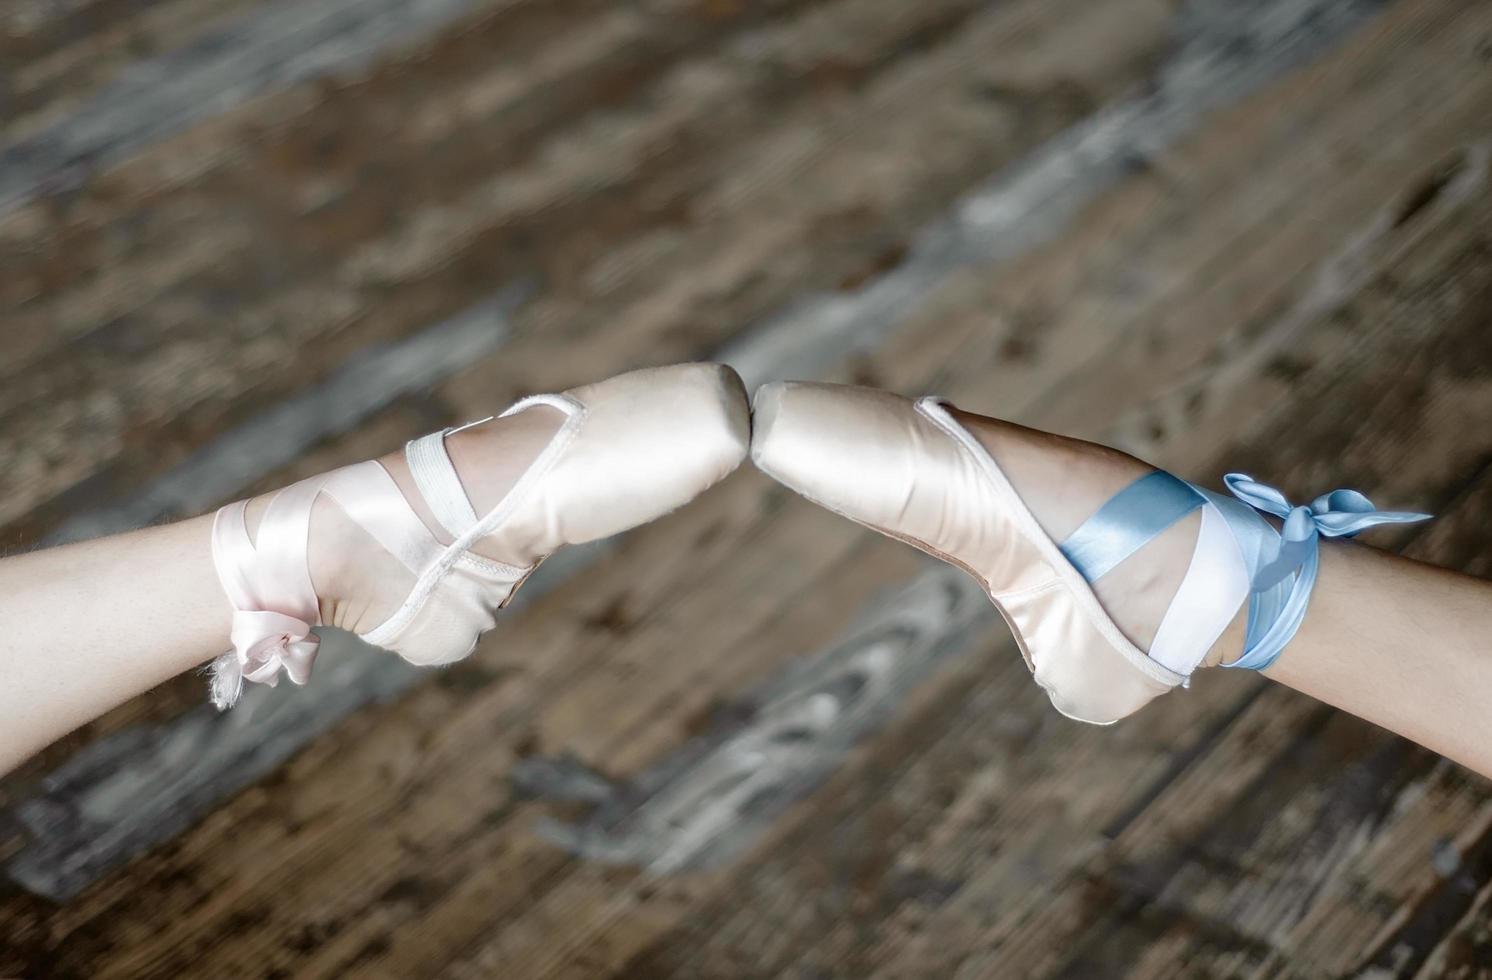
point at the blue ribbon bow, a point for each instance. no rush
(1274, 617)
(1339, 514)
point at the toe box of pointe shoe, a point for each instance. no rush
(651, 441)
(850, 449)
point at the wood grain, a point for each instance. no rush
(1249, 238)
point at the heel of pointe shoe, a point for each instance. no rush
(1085, 672)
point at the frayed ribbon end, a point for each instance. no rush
(225, 685)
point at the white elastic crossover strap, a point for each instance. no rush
(435, 475)
(1215, 587)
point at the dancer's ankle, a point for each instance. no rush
(1063, 481)
(357, 582)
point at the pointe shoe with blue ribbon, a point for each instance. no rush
(615, 454)
(913, 471)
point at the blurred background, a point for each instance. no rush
(246, 242)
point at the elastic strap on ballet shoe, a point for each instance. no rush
(435, 475)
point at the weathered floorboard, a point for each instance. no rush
(776, 347)
(1255, 237)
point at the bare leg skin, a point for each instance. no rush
(91, 625)
(88, 626)
(1394, 641)
(1402, 644)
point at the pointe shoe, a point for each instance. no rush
(912, 471)
(626, 451)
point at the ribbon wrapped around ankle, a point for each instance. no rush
(268, 584)
(1283, 569)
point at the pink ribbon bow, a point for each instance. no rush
(264, 643)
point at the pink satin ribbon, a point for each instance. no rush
(269, 586)
(266, 642)
(267, 577)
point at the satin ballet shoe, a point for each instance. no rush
(623, 452)
(912, 471)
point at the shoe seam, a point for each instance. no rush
(1030, 590)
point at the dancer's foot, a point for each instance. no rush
(359, 583)
(1118, 579)
(397, 551)
(1063, 482)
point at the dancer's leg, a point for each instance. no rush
(418, 556)
(1400, 643)
(1395, 641)
(89, 625)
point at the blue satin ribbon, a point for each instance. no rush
(1128, 521)
(1283, 564)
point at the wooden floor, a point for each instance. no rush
(244, 242)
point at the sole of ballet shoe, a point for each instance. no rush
(909, 471)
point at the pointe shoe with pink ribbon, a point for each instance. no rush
(623, 452)
(913, 471)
